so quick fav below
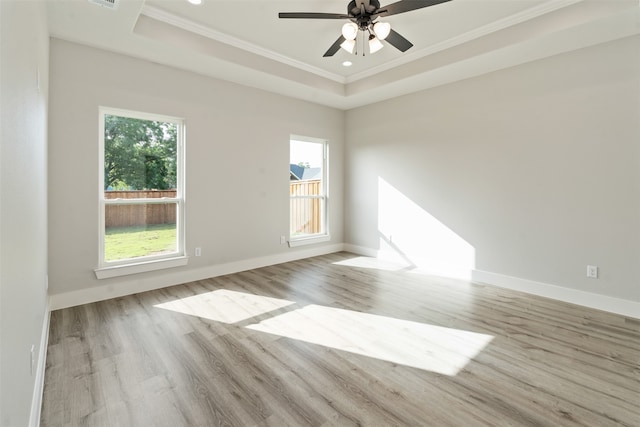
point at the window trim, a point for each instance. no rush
(116, 268)
(325, 235)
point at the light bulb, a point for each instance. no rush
(348, 45)
(349, 31)
(375, 45)
(382, 29)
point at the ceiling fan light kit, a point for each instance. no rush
(349, 31)
(381, 30)
(349, 45)
(364, 15)
(374, 44)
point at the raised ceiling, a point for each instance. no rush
(244, 41)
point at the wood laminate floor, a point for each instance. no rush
(335, 341)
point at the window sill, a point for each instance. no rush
(141, 267)
(302, 241)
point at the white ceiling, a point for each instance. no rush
(244, 41)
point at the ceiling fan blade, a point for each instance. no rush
(397, 41)
(334, 47)
(312, 15)
(406, 6)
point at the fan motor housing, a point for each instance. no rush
(354, 10)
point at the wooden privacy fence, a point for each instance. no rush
(305, 214)
(144, 214)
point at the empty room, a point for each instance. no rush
(319, 213)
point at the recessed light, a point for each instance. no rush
(195, 1)
(347, 63)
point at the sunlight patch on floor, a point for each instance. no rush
(432, 348)
(374, 263)
(225, 306)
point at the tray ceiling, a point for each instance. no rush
(244, 41)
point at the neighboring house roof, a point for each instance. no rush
(300, 173)
(296, 172)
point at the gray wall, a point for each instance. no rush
(534, 169)
(23, 203)
(532, 172)
(237, 176)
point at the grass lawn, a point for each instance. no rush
(139, 241)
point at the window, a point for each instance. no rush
(308, 190)
(141, 192)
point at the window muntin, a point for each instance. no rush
(307, 188)
(141, 187)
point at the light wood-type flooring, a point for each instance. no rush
(340, 340)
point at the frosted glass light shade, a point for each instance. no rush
(349, 31)
(348, 45)
(382, 29)
(375, 45)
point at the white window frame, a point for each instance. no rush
(324, 236)
(178, 258)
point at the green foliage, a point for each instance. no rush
(304, 165)
(119, 186)
(139, 154)
(133, 242)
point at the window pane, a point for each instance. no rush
(139, 154)
(306, 217)
(306, 172)
(133, 231)
(306, 161)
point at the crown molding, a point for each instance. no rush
(518, 18)
(188, 25)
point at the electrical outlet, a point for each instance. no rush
(283, 240)
(198, 251)
(592, 271)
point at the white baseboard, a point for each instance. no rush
(416, 263)
(38, 389)
(138, 283)
(135, 285)
(560, 293)
(362, 250)
(574, 296)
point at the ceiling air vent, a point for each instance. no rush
(109, 4)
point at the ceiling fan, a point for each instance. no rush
(364, 15)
